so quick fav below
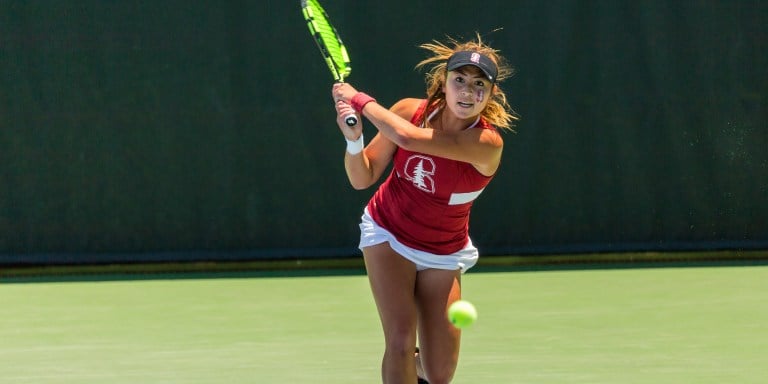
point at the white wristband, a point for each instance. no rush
(355, 147)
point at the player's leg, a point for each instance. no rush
(392, 279)
(439, 340)
(419, 370)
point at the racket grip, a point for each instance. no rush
(351, 120)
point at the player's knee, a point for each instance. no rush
(401, 348)
(401, 343)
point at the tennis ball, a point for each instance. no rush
(462, 314)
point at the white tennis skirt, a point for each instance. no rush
(372, 233)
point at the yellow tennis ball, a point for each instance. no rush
(462, 314)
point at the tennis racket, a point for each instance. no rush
(330, 44)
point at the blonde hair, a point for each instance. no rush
(497, 112)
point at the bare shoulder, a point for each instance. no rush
(405, 108)
(491, 136)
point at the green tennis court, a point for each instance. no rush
(672, 325)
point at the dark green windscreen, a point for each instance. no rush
(144, 126)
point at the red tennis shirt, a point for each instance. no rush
(425, 201)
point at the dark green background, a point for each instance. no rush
(177, 129)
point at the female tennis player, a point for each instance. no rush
(414, 230)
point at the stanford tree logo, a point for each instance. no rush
(419, 170)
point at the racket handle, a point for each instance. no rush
(351, 120)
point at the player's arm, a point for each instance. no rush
(367, 166)
(479, 147)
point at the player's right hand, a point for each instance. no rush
(342, 111)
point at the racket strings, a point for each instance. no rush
(327, 39)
